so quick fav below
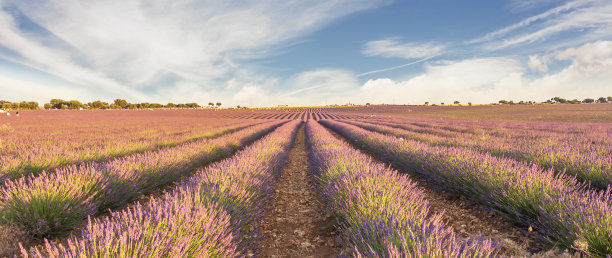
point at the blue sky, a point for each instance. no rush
(266, 53)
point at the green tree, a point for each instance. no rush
(218, 104)
(559, 100)
(170, 105)
(122, 103)
(99, 105)
(33, 105)
(48, 106)
(57, 103)
(588, 100)
(155, 105)
(144, 105)
(602, 100)
(75, 104)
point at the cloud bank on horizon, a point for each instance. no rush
(267, 53)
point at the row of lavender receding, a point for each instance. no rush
(380, 212)
(49, 205)
(588, 163)
(214, 213)
(560, 208)
(29, 153)
(582, 136)
(590, 131)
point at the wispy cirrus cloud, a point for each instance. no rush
(525, 5)
(395, 67)
(130, 48)
(526, 22)
(393, 48)
(583, 17)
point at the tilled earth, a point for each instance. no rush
(296, 225)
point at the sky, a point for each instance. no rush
(309, 52)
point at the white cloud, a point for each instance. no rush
(392, 48)
(589, 75)
(121, 47)
(477, 80)
(316, 87)
(13, 88)
(486, 80)
(538, 63)
(596, 53)
(466, 80)
(253, 95)
(320, 87)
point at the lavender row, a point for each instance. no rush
(587, 131)
(592, 165)
(556, 205)
(27, 153)
(214, 213)
(382, 213)
(51, 204)
(584, 136)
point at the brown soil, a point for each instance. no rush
(468, 218)
(295, 225)
(10, 236)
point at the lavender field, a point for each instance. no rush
(369, 181)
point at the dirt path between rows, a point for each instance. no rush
(295, 225)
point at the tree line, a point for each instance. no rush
(575, 101)
(18, 105)
(98, 104)
(559, 100)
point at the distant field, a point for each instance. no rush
(370, 181)
(592, 113)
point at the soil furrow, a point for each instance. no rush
(295, 225)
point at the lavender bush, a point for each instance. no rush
(567, 154)
(556, 205)
(382, 213)
(214, 213)
(50, 205)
